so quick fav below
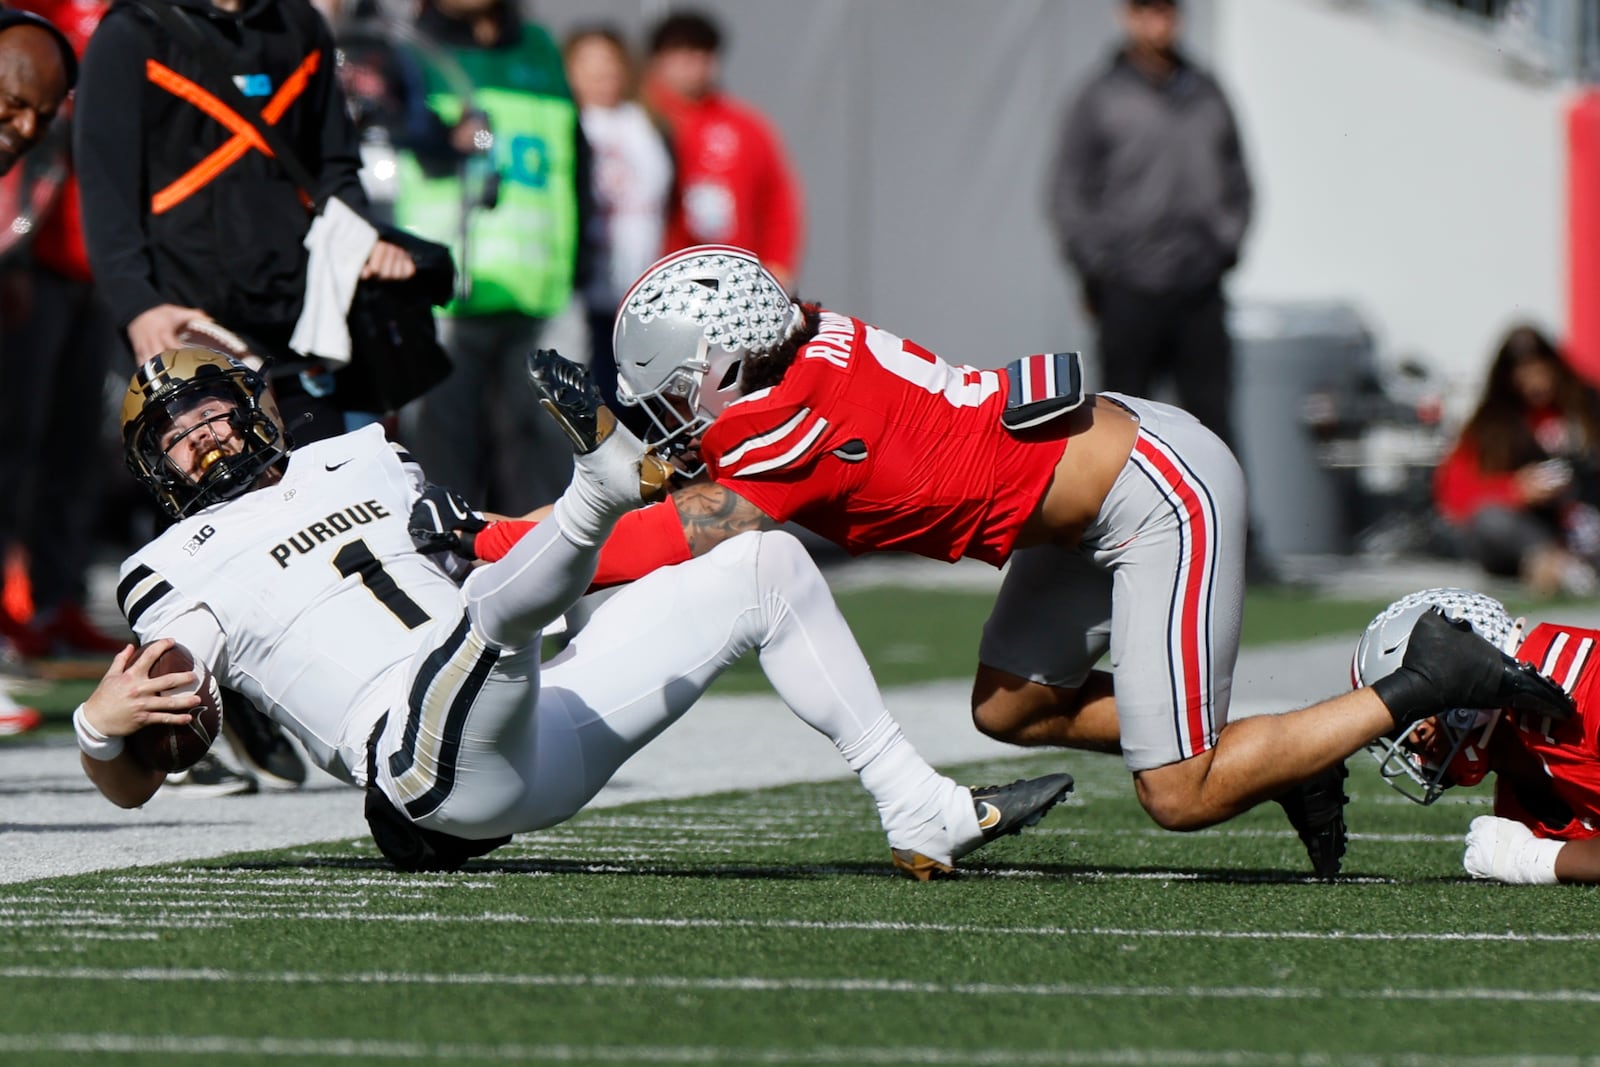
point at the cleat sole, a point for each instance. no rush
(919, 867)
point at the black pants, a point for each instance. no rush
(1145, 336)
(52, 419)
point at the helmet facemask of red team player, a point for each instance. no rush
(1428, 757)
(683, 332)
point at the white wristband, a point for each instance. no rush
(95, 745)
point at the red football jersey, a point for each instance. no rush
(1548, 773)
(879, 445)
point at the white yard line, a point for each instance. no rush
(45, 910)
(764, 984)
(208, 1045)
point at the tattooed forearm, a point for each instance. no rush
(711, 514)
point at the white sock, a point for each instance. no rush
(915, 802)
(604, 487)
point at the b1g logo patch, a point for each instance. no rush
(202, 535)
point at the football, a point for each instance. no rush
(203, 333)
(168, 747)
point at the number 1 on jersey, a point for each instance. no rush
(356, 560)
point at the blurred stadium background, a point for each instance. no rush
(1427, 173)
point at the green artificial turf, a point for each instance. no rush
(767, 928)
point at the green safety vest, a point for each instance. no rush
(520, 254)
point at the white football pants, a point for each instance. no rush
(496, 749)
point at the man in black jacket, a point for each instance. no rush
(187, 214)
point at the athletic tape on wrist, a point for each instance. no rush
(1536, 861)
(95, 745)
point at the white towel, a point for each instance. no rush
(339, 242)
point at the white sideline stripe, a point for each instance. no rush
(181, 919)
(757, 984)
(221, 1044)
(1154, 831)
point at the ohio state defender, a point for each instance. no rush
(1122, 521)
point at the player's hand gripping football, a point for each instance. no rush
(443, 521)
(129, 697)
(1446, 666)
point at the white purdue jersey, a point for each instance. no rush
(308, 597)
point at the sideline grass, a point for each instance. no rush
(766, 928)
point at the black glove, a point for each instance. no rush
(442, 521)
(1446, 665)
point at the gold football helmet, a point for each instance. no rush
(173, 383)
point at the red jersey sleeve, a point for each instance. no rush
(642, 541)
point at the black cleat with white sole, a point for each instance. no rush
(1002, 810)
(261, 745)
(567, 392)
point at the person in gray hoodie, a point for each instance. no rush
(1150, 199)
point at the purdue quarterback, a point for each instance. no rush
(294, 576)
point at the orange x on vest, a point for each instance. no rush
(245, 136)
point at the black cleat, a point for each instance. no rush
(208, 777)
(1002, 810)
(567, 392)
(261, 745)
(1316, 811)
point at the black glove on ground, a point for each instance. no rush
(1446, 665)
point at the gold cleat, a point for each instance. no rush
(1001, 810)
(922, 868)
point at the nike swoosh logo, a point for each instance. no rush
(988, 815)
(647, 360)
(334, 466)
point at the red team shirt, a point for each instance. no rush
(878, 445)
(1548, 773)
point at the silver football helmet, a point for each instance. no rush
(683, 331)
(1428, 757)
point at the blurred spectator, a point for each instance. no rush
(58, 345)
(1521, 485)
(632, 182)
(735, 184)
(37, 70)
(1150, 199)
(187, 217)
(505, 186)
(383, 88)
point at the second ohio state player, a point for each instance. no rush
(1546, 822)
